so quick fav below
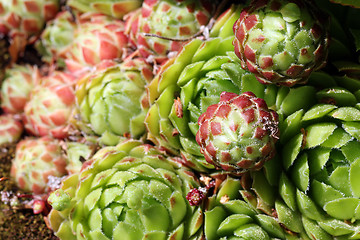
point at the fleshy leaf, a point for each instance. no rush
(353, 3)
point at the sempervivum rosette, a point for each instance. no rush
(281, 42)
(35, 160)
(114, 8)
(319, 187)
(57, 37)
(229, 216)
(129, 191)
(11, 129)
(238, 133)
(50, 105)
(164, 20)
(192, 81)
(25, 18)
(112, 100)
(17, 84)
(97, 37)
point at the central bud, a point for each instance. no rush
(238, 133)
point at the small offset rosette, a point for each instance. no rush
(11, 129)
(239, 133)
(97, 37)
(130, 191)
(16, 86)
(282, 42)
(164, 26)
(49, 108)
(57, 37)
(37, 159)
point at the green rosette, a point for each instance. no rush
(128, 191)
(187, 84)
(320, 156)
(57, 37)
(229, 216)
(112, 100)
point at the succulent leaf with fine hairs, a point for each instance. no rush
(127, 191)
(320, 160)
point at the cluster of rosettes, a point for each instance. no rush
(169, 90)
(239, 133)
(21, 20)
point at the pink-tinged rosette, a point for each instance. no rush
(35, 160)
(238, 133)
(158, 22)
(98, 37)
(280, 41)
(114, 8)
(18, 82)
(22, 19)
(10, 129)
(50, 105)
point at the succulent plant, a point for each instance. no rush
(160, 21)
(35, 160)
(51, 103)
(229, 216)
(129, 191)
(239, 133)
(319, 183)
(112, 100)
(177, 94)
(23, 19)
(77, 154)
(114, 8)
(11, 129)
(97, 37)
(57, 38)
(194, 80)
(281, 42)
(17, 84)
